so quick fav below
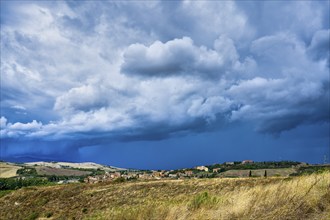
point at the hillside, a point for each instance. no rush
(301, 197)
(8, 170)
(86, 165)
(53, 171)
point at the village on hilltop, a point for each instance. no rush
(227, 169)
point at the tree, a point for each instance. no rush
(265, 174)
(250, 173)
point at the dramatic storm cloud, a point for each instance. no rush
(180, 56)
(76, 75)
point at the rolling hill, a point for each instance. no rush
(8, 170)
(86, 165)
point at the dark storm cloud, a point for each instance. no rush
(125, 71)
(319, 47)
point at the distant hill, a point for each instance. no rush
(25, 159)
(49, 162)
(85, 165)
(59, 169)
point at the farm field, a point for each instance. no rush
(8, 170)
(48, 171)
(301, 197)
(259, 172)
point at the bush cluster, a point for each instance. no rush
(16, 183)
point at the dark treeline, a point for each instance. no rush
(16, 183)
(311, 169)
(255, 165)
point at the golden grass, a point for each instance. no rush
(259, 172)
(8, 170)
(305, 197)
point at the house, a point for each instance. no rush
(172, 176)
(158, 174)
(216, 170)
(91, 179)
(202, 168)
(132, 175)
(247, 161)
(145, 176)
(115, 175)
(188, 172)
(73, 181)
(166, 173)
(180, 175)
(229, 163)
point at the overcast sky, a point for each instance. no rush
(165, 84)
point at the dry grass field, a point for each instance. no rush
(303, 197)
(259, 172)
(8, 170)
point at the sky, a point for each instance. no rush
(165, 84)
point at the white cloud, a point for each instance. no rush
(18, 107)
(302, 18)
(180, 57)
(34, 125)
(212, 19)
(83, 98)
(18, 129)
(3, 122)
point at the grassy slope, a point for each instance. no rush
(8, 170)
(259, 172)
(306, 197)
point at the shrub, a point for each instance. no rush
(33, 216)
(203, 200)
(49, 214)
(119, 180)
(16, 183)
(27, 171)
